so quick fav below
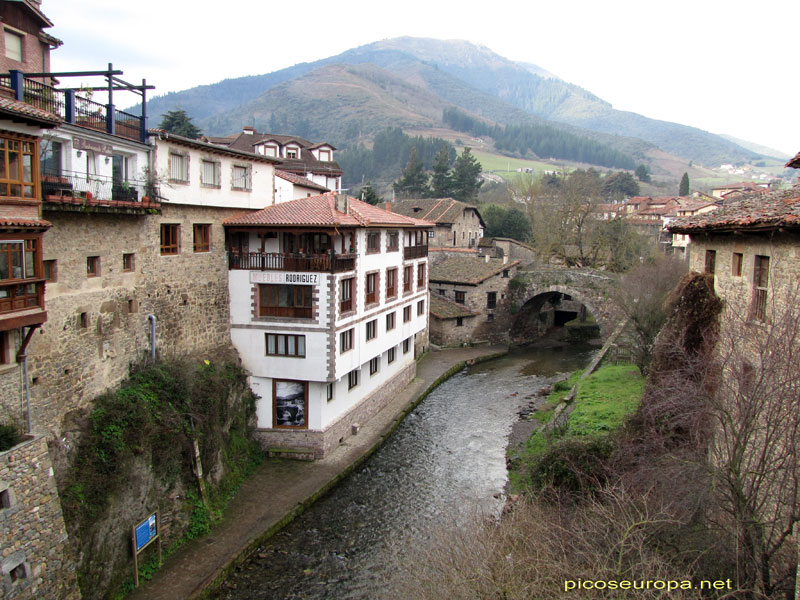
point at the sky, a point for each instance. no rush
(723, 66)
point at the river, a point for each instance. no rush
(443, 463)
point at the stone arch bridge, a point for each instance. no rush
(533, 287)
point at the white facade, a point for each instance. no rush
(202, 174)
(286, 190)
(327, 366)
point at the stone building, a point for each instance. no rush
(480, 286)
(329, 304)
(458, 225)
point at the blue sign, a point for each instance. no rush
(146, 532)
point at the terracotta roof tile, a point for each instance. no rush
(202, 145)
(795, 162)
(468, 269)
(296, 179)
(23, 223)
(444, 308)
(755, 211)
(27, 112)
(437, 210)
(321, 211)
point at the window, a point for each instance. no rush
(491, 299)
(280, 300)
(391, 283)
(406, 314)
(372, 288)
(372, 329)
(374, 365)
(324, 155)
(240, 177)
(83, 320)
(13, 45)
(390, 356)
(711, 260)
(5, 352)
(442, 292)
(210, 173)
(5, 499)
(50, 270)
(170, 239)
(202, 237)
(461, 297)
(127, 262)
(50, 160)
(490, 317)
(329, 392)
(736, 264)
(505, 273)
(291, 153)
(18, 157)
(406, 345)
(420, 276)
(352, 379)
(178, 167)
(760, 282)
(393, 243)
(18, 262)
(390, 321)
(421, 307)
(18, 572)
(407, 279)
(290, 404)
(345, 341)
(431, 233)
(92, 266)
(459, 321)
(373, 243)
(346, 295)
(279, 344)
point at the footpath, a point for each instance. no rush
(280, 490)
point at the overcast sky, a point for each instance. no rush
(724, 66)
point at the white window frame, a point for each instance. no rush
(182, 169)
(242, 180)
(216, 173)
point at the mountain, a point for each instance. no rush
(757, 148)
(409, 80)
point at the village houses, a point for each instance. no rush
(457, 224)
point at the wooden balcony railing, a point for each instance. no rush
(21, 296)
(410, 252)
(277, 261)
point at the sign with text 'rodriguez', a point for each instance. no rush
(284, 278)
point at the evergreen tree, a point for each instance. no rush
(442, 178)
(465, 176)
(368, 194)
(620, 185)
(413, 183)
(643, 173)
(178, 122)
(683, 190)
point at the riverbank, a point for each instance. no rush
(280, 490)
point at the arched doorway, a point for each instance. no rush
(555, 315)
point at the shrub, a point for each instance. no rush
(9, 437)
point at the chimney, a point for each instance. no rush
(486, 259)
(247, 130)
(388, 207)
(342, 203)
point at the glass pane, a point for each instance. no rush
(30, 264)
(27, 168)
(285, 295)
(27, 191)
(291, 348)
(13, 165)
(301, 345)
(16, 260)
(30, 289)
(271, 344)
(281, 344)
(3, 264)
(14, 190)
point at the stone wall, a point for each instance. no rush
(321, 443)
(97, 326)
(12, 400)
(35, 561)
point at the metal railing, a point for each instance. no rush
(70, 184)
(277, 261)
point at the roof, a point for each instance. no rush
(36, 11)
(437, 210)
(742, 185)
(20, 111)
(753, 212)
(795, 162)
(443, 308)
(184, 141)
(320, 211)
(23, 223)
(297, 180)
(471, 270)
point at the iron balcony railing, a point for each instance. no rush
(74, 109)
(70, 184)
(410, 252)
(277, 261)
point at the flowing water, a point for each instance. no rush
(443, 463)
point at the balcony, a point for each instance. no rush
(18, 297)
(71, 188)
(276, 261)
(410, 252)
(72, 108)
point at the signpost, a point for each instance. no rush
(142, 535)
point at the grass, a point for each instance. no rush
(506, 166)
(603, 402)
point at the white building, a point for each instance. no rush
(289, 186)
(328, 294)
